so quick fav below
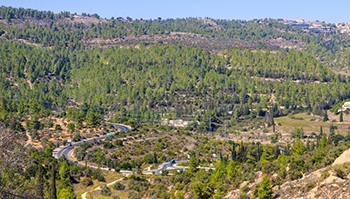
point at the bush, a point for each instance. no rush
(325, 175)
(133, 195)
(100, 178)
(87, 182)
(341, 171)
(115, 197)
(118, 186)
(58, 127)
(295, 175)
(105, 190)
(50, 124)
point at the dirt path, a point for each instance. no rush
(30, 139)
(99, 188)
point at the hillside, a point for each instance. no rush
(256, 101)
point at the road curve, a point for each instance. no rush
(65, 150)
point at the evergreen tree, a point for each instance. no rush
(155, 160)
(298, 149)
(331, 135)
(265, 191)
(233, 152)
(341, 116)
(325, 117)
(40, 183)
(267, 155)
(53, 191)
(193, 164)
(323, 142)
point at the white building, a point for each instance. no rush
(345, 106)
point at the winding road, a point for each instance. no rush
(65, 150)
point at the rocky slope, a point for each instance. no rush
(329, 182)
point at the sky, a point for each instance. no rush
(334, 11)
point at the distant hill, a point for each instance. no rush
(178, 65)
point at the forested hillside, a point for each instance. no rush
(267, 92)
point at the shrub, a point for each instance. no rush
(118, 186)
(295, 175)
(100, 178)
(325, 175)
(133, 195)
(115, 197)
(87, 182)
(341, 171)
(58, 127)
(105, 190)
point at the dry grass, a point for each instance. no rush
(288, 124)
(109, 176)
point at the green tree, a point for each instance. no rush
(193, 164)
(297, 149)
(40, 183)
(71, 126)
(323, 143)
(233, 152)
(64, 171)
(341, 116)
(325, 117)
(53, 191)
(265, 191)
(267, 155)
(66, 193)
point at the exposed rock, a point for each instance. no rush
(343, 158)
(314, 185)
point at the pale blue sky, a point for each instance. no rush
(311, 10)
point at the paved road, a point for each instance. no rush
(65, 150)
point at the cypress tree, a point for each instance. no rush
(155, 158)
(40, 183)
(341, 116)
(233, 154)
(53, 190)
(325, 118)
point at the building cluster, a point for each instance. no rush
(307, 25)
(343, 27)
(176, 123)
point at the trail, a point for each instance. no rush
(99, 188)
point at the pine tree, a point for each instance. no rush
(265, 191)
(53, 191)
(193, 164)
(323, 143)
